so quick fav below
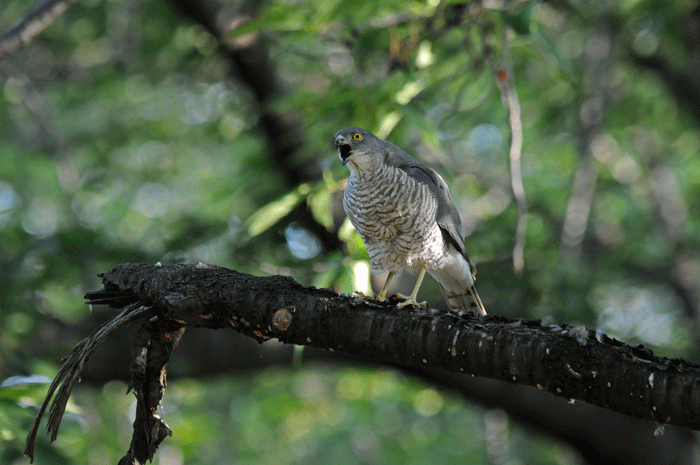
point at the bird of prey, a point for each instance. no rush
(406, 218)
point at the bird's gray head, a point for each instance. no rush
(358, 147)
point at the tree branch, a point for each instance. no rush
(36, 20)
(578, 209)
(73, 365)
(154, 343)
(568, 361)
(506, 83)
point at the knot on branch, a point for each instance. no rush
(281, 319)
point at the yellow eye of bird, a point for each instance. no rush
(357, 136)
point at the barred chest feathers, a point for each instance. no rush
(395, 216)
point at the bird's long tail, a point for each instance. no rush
(460, 301)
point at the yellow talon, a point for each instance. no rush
(382, 294)
(410, 300)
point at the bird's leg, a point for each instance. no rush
(382, 294)
(411, 300)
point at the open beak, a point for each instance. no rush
(344, 149)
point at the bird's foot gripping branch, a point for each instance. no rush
(568, 361)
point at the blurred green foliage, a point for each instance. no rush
(277, 416)
(124, 139)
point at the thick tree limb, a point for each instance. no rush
(568, 361)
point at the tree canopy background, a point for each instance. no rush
(131, 134)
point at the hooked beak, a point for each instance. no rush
(344, 149)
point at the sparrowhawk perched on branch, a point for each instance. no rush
(406, 218)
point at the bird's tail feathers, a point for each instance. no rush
(460, 301)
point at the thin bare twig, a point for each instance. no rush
(578, 210)
(510, 97)
(35, 21)
(591, 113)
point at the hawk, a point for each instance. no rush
(406, 217)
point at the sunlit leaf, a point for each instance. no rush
(321, 208)
(17, 388)
(274, 211)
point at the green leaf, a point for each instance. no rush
(521, 18)
(545, 44)
(270, 214)
(320, 204)
(251, 26)
(17, 388)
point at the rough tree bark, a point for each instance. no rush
(568, 361)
